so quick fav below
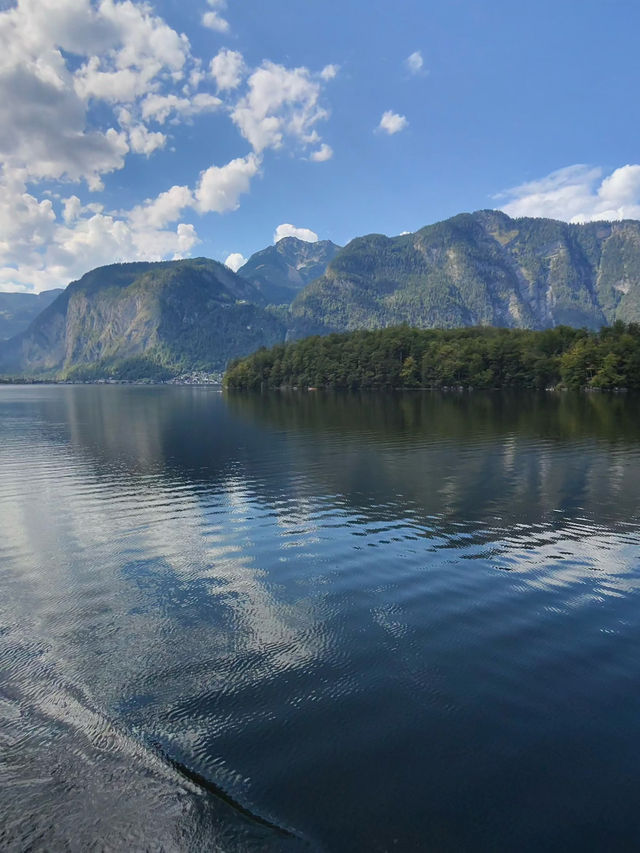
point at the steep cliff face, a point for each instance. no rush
(17, 310)
(479, 269)
(168, 317)
(279, 272)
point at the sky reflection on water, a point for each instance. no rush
(385, 622)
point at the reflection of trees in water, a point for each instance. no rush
(478, 414)
(436, 458)
(510, 458)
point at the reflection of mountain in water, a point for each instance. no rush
(297, 597)
(119, 578)
(452, 458)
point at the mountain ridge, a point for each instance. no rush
(475, 269)
(280, 271)
(479, 269)
(172, 315)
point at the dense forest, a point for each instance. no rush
(480, 357)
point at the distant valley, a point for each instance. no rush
(157, 320)
(17, 310)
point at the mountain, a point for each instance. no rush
(479, 269)
(144, 319)
(281, 271)
(17, 310)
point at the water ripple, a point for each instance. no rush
(377, 622)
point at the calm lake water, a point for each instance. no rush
(343, 623)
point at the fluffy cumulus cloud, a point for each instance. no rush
(325, 152)
(40, 249)
(578, 194)
(160, 107)
(166, 207)
(220, 187)
(288, 230)
(235, 260)
(213, 19)
(280, 102)
(85, 85)
(414, 63)
(227, 69)
(392, 122)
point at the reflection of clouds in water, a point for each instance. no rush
(95, 525)
(579, 551)
(573, 562)
(232, 591)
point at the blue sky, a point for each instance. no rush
(155, 130)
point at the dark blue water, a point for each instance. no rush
(318, 622)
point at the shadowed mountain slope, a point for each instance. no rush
(281, 271)
(144, 319)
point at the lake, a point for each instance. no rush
(318, 622)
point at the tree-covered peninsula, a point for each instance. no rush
(480, 357)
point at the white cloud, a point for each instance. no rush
(218, 190)
(26, 224)
(214, 20)
(578, 194)
(392, 122)
(144, 141)
(143, 48)
(120, 51)
(86, 84)
(280, 102)
(160, 107)
(329, 72)
(235, 261)
(165, 208)
(71, 208)
(325, 152)
(100, 239)
(228, 69)
(43, 131)
(414, 63)
(38, 250)
(288, 230)
(220, 187)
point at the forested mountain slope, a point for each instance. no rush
(477, 357)
(479, 269)
(144, 319)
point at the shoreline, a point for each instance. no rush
(285, 389)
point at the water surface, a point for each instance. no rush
(299, 622)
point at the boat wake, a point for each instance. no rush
(72, 779)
